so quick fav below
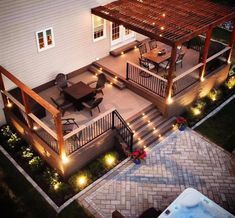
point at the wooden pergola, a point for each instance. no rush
(172, 22)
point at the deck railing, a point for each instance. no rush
(95, 128)
(191, 76)
(186, 79)
(146, 79)
(42, 131)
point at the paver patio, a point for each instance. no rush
(183, 159)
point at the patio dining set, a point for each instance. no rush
(77, 95)
(158, 58)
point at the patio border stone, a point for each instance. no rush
(58, 209)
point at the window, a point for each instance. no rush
(45, 39)
(99, 30)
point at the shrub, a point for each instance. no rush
(230, 83)
(36, 164)
(13, 141)
(96, 168)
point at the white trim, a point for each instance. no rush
(46, 46)
(104, 29)
(123, 39)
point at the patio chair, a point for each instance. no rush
(100, 83)
(152, 44)
(142, 49)
(61, 82)
(146, 64)
(165, 65)
(89, 105)
(62, 104)
(179, 59)
(68, 125)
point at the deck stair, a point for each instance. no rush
(113, 79)
(149, 126)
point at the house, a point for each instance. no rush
(41, 39)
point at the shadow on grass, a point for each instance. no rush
(220, 128)
(19, 198)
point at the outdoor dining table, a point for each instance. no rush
(156, 56)
(78, 92)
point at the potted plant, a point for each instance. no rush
(181, 123)
(138, 155)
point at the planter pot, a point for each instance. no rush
(137, 161)
(182, 127)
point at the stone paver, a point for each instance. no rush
(182, 160)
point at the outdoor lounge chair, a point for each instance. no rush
(89, 105)
(146, 64)
(62, 104)
(61, 82)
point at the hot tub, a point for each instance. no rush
(192, 204)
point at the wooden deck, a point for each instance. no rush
(125, 101)
(117, 65)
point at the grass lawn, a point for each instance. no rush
(18, 198)
(220, 128)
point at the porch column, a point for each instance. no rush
(60, 138)
(170, 74)
(205, 53)
(2, 87)
(231, 43)
(27, 108)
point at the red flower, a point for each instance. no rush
(138, 154)
(181, 120)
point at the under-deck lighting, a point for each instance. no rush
(35, 127)
(153, 23)
(143, 114)
(169, 100)
(82, 181)
(159, 135)
(122, 52)
(135, 47)
(64, 159)
(162, 28)
(163, 14)
(160, 35)
(9, 104)
(202, 78)
(101, 68)
(97, 59)
(115, 77)
(111, 83)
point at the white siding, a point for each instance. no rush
(72, 25)
(74, 46)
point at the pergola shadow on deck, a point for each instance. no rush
(173, 23)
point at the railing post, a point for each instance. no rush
(205, 53)
(113, 125)
(60, 139)
(131, 146)
(27, 109)
(2, 87)
(170, 74)
(127, 71)
(231, 44)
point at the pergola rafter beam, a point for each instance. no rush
(183, 20)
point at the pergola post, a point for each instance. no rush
(205, 53)
(27, 108)
(170, 74)
(60, 138)
(231, 43)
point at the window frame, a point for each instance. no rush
(93, 30)
(44, 33)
